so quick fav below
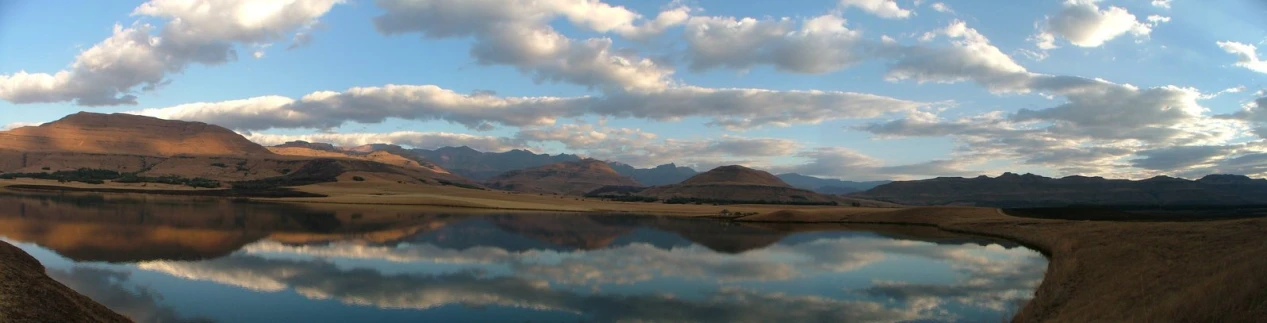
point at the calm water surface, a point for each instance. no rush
(168, 259)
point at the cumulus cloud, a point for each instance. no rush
(970, 57)
(821, 44)
(144, 56)
(424, 140)
(1246, 55)
(881, 8)
(1084, 24)
(941, 7)
(1164, 4)
(518, 33)
(730, 108)
(837, 162)
(1178, 157)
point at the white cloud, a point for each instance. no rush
(970, 56)
(1155, 20)
(838, 162)
(941, 7)
(16, 125)
(424, 140)
(881, 8)
(1164, 4)
(1246, 55)
(730, 108)
(822, 44)
(1083, 23)
(518, 33)
(141, 55)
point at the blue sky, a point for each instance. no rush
(853, 89)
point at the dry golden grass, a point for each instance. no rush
(386, 193)
(28, 295)
(1212, 271)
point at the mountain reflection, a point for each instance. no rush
(346, 260)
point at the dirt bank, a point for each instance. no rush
(28, 295)
(1105, 271)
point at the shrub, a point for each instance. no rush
(221, 165)
(358, 178)
(462, 185)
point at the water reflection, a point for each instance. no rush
(169, 259)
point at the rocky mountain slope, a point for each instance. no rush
(124, 134)
(1013, 190)
(148, 149)
(660, 175)
(566, 178)
(736, 184)
(477, 165)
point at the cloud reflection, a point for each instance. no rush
(107, 287)
(990, 278)
(324, 280)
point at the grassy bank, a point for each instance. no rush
(1109, 271)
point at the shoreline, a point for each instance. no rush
(1108, 270)
(1208, 271)
(27, 294)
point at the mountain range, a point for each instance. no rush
(1029, 190)
(157, 151)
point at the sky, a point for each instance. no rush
(849, 89)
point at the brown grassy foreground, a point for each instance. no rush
(28, 295)
(1101, 271)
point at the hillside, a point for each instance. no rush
(1013, 190)
(477, 165)
(386, 154)
(567, 178)
(156, 151)
(736, 184)
(124, 134)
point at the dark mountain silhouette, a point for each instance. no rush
(568, 178)
(660, 175)
(308, 145)
(1029, 190)
(828, 185)
(477, 165)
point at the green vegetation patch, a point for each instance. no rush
(99, 176)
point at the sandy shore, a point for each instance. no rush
(1213, 271)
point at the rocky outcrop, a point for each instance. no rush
(660, 175)
(567, 178)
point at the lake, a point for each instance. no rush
(171, 259)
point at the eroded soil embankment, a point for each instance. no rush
(1104, 271)
(28, 295)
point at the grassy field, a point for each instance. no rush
(1110, 271)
